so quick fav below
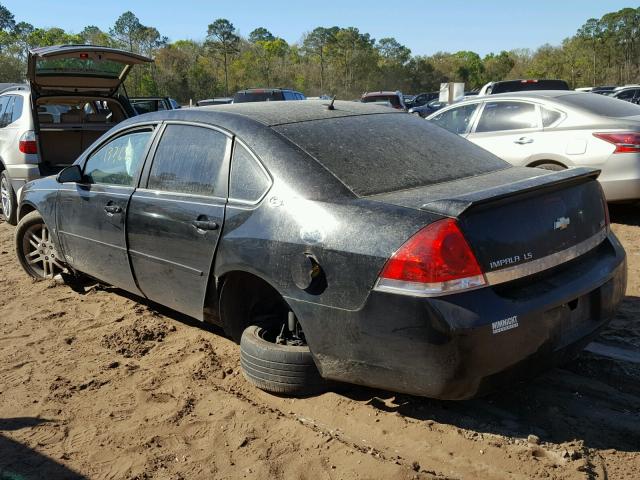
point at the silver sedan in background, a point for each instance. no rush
(555, 130)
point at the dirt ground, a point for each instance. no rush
(100, 385)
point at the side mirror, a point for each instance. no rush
(71, 174)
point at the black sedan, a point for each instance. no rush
(343, 242)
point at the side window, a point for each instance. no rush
(248, 180)
(4, 100)
(288, 95)
(5, 118)
(117, 162)
(456, 120)
(626, 95)
(188, 160)
(499, 116)
(17, 108)
(549, 117)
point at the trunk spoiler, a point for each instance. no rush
(454, 204)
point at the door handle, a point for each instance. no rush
(523, 140)
(112, 209)
(205, 225)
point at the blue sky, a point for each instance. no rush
(424, 26)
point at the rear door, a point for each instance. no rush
(508, 129)
(175, 220)
(91, 214)
(80, 69)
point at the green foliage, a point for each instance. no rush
(330, 60)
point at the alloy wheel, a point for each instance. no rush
(40, 253)
(5, 194)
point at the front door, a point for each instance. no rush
(175, 220)
(91, 215)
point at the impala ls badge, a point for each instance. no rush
(561, 223)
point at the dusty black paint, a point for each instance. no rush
(442, 347)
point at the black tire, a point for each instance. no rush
(34, 248)
(277, 368)
(551, 166)
(10, 216)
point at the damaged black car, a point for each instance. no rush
(337, 242)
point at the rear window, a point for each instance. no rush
(78, 67)
(601, 104)
(258, 96)
(392, 99)
(523, 86)
(373, 154)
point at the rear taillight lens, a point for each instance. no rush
(28, 143)
(435, 261)
(625, 142)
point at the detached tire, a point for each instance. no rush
(277, 368)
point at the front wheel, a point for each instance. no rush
(35, 249)
(8, 197)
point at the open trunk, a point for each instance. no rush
(518, 221)
(67, 126)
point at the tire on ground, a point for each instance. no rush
(12, 218)
(555, 167)
(282, 369)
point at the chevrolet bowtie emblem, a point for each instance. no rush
(561, 223)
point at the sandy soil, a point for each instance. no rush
(100, 385)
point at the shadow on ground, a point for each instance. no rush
(19, 462)
(628, 214)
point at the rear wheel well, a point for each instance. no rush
(537, 163)
(246, 299)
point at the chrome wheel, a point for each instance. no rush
(5, 193)
(40, 253)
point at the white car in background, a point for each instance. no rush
(556, 130)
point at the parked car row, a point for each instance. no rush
(396, 254)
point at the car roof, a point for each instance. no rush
(530, 94)
(268, 89)
(276, 113)
(381, 92)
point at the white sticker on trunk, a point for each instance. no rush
(505, 324)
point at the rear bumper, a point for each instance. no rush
(462, 345)
(620, 177)
(21, 174)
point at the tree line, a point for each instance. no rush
(341, 61)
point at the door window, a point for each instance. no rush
(117, 162)
(249, 181)
(456, 120)
(188, 160)
(499, 116)
(626, 95)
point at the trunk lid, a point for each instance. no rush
(518, 218)
(77, 69)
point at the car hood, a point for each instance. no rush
(80, 69)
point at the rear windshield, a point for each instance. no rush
(520, 86)
(380, 153)
(79, 67)
(601, 104)
(260, 96)
(392, 99)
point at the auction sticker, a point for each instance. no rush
(504, 324)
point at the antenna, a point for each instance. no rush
(331, 107)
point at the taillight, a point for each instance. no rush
(435, 261)
(605, 207)
(625, 142)
(28, 143)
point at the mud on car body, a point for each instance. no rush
(354, 244)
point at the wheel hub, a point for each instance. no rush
(40, 252)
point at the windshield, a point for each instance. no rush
(601, 104)
(79, 67)
(392, 99)
(258, 96)
(373, 154)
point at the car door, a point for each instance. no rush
(91, 214)
(175, 221)
(508, 129)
